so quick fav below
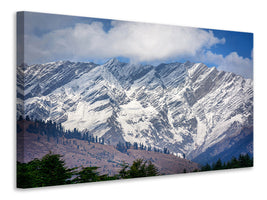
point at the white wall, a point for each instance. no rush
(240, 15)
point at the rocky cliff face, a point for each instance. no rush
(186, 107)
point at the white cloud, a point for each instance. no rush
(237, 64)
(231, 63)
(137, 41)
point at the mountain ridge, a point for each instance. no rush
(186, 107)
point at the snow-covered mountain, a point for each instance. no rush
(187, 107)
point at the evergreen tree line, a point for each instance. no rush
(123, 147)
(240, 162)
(51, 170)
(52, 129)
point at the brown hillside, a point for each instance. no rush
(78, 153)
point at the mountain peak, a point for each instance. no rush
(112, 61)
(187, 106)
(23, 66)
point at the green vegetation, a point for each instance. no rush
(54, 130)
(242, 161)
(139, 168)
(51, 171)
(48, 171)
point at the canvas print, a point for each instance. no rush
(101, 99)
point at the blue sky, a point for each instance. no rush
(51, 38)
(235, 41)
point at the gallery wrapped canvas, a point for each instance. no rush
(101, 99)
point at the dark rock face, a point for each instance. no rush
(228, 148)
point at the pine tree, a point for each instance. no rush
(53, 170)
(87, 174)
(218, 165)
(151, 170)
(207, 167)
(135, 145)
(121, 147)
(48, 171)
(139, 168)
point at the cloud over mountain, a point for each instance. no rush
(49, 38)
(136, 41)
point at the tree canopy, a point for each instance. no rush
(48, 171)
(139, 168)
(51, 171)
(243, 160)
